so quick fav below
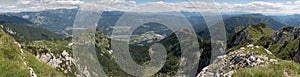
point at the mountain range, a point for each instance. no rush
(40, 44)
(62, 20)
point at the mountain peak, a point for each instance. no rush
(251, 33)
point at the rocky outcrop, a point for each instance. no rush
(63, 62)
(245, 57)
(286, 34)
(8, 30)
(285, 43)
(241, 37)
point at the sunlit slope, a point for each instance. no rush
(14, 63)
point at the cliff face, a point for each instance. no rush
(241, 37)
(285, 43)
(286, 34)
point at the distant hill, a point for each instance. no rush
(14, 19)
(243, 20)
(237, 23)
(62, 20)
(22, 29)
(24, 32)
(291, 20)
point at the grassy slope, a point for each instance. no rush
(12, 65)
(259, 30)
(10, 58)
(256, 32)
(56, 46)
(282, 69)
(285, 52)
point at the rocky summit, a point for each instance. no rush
(258, 51)
(246, 57)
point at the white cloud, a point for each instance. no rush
(122, 5)
(66, 2)
(24, 2)
(34, 5)
(7, 6)
(288, 2)
(297, 2)
(252, 7)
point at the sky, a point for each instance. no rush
(269, 7)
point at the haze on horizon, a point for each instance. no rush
(267, 7)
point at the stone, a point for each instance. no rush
(242, 48)
(32, 73)
(274, 61)
(236, 59)
(250, 46)
(252, 58)
(259, 60)
(269, 52)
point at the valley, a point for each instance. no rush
(41, 44)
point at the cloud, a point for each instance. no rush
(38, 5)
(297, 2)
(24, 2)
(66, 2)
(7, 6)
(288, 2)
(198, 6)
(266, 8)
(160, 6)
